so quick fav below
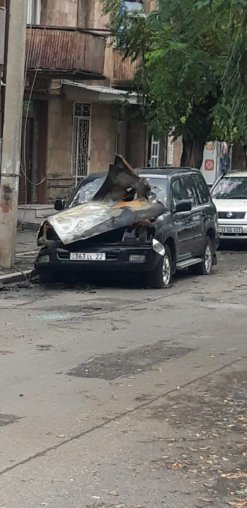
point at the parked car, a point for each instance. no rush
(230, 198)
(183, 236)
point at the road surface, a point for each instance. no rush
(120, 397)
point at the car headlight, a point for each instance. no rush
(44, 259)
(158, 247)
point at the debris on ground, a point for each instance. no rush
(211, 440)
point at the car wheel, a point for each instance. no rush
(205, 268)
(162, 275)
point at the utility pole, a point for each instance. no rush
(6, 3)
(10, 171)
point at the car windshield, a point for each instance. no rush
(87, 190)
(231, 187)
(159, 187)
(90, 186)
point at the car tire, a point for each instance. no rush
(205, 268)
(161, 277)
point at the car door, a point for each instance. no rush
(181, 220)
(206, 207)
(195, 230)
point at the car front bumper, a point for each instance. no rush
(117, 259)
(232, 229)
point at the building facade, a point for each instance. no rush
(77, 110)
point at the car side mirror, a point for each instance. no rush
(59, 205)
(184, 206)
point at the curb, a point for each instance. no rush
(10, 278)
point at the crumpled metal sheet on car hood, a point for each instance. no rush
(109, 210)
(97, 217)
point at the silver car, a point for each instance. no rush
(230, 198)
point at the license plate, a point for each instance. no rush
(88, 256)
(230, 230)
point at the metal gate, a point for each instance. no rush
(81, 139)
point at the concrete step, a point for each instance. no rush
(34, 214)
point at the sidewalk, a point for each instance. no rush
(26, 248)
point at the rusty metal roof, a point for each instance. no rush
(63, 50)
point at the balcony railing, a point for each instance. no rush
(65, 51)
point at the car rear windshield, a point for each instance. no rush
(231, 187)
(90, 186)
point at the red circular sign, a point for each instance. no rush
(209, 164)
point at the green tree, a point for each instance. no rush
(234, 76)
(184, 74)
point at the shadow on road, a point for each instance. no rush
(233, 245)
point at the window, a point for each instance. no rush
(81, 139)
(179, 192)
(128, 12)
(33, 12)
(202, 190)
(87, 190)
(231, 187)
(159, 187)
(154, 153)
(190, 189)
(170, 150)
(132, 8)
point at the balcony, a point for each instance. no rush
(124, 69)
(65, 52)
(2, 32)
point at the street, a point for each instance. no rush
(119, 397)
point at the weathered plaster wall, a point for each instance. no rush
(103, 136)
(60, 121)
(59, 13)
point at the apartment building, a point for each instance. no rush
(78, 110)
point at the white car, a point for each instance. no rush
(229, 194)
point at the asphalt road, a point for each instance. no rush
(120, 397)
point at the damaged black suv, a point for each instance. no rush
(164, 221)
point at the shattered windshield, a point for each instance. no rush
(90, 186)
(87, 190)
(231, 188)
(159, 188)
